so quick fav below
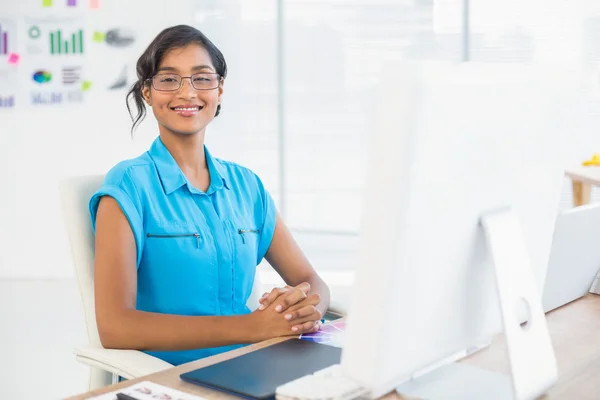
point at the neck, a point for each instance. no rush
(188, 151)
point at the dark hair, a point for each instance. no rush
(171, 38)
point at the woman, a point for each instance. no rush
(179, 233)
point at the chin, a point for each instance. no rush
(184, 130)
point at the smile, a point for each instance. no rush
(187, 111)
(186, 108)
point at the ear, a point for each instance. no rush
(146, 92)
(221, 91)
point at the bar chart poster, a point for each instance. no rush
(7, 101)
(9, 71)
(56, 37)
(9, 89)
(3, 41)
(63, 42)
(7, 39)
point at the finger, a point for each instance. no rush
(293, 296)
(264, 302)
(276, 292)
(317, 326)
(305, 287)
(305, 327)
(262, 298)
(314, 317)
(312, 300)
(302, 313)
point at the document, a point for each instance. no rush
(331, 334)
(149, 391)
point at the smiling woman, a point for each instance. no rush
(179, 233)
(160, 68)
(171, 95)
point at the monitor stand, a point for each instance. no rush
(530, 353)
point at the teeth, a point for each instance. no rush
(186, 109)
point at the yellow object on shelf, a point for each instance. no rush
(595, 161)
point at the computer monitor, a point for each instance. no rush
(450, 145)
(574, 258)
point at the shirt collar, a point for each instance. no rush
(172, 177)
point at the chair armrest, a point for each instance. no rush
(129, 364)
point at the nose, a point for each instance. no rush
(187, 89)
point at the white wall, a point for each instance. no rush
(333, 52)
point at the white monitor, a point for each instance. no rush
(575, 256)
(451, 144)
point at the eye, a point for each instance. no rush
(168, 79)
(201, 79)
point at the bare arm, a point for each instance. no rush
(286, 257)
(120, 325)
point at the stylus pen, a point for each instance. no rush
(123, 396)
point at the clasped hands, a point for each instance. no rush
(290, 310)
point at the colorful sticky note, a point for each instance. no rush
(86, 85)
(13, 58)
(99, 36)
(94, 3)
(46, 3)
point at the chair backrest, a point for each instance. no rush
(75, 195)
(257, 291)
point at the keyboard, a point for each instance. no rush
(328, 383)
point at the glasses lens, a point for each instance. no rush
(166, 82)
(205, 81)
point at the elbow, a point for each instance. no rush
(110, 338)
(324, 288)
(112, 333)
(320, 287)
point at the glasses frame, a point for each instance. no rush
(220, 79)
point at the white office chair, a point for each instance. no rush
(106, 364)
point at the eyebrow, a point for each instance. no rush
(173, 69)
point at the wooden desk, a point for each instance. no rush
(575, 331)
(582, 180)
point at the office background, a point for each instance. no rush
(298, 104)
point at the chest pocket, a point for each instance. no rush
(179, 271)
(245, 237)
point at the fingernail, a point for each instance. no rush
(288, 316)
(294, 329)
(278, 308)
(261, 307)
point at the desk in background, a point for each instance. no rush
(582, 180)
(574, 328)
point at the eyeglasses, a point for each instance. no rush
(173, 82)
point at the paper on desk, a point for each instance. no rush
(596, 285)
(149, 391)
(331, 334)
